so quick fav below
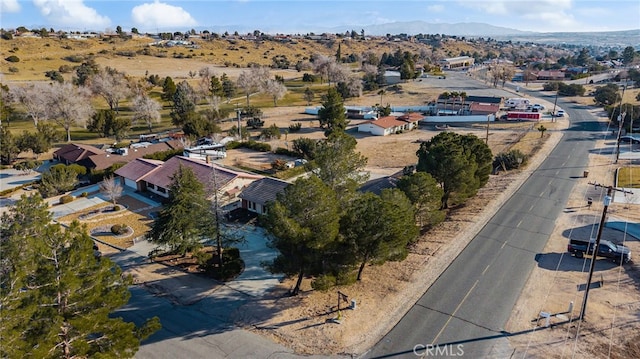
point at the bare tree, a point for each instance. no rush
(321, 66)
(69, 105)
(275, 89)
(34, 98)
(111, 188)
(354, 86)
(253, 80)
(337, 73)
(146, 109)
(112, 86)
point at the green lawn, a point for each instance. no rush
(629, 177)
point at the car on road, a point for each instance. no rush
(616, 252)
(629, 139)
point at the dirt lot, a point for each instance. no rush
(386, 154)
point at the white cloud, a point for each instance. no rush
(161, 15)
(71, 13)
(9, 6)
(435, 8)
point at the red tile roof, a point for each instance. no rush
(484, 107)
(387, 122)
(411, 117)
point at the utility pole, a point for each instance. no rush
(621, 116)
(487, 139)
(607, 202)
(555, 102)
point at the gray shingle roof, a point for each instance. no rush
(263, 190)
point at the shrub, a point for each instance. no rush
(285, 152)
(13, 58)
(295, 127)
(84, 194)
(279, 165)
(116, 208)
(231, 268)
(509, 160)
(66, 199)
(119, 229)
(323, 282)
(74, 58)
(13, 69)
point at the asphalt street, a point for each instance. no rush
(465, 310)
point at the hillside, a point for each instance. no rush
(39, 55)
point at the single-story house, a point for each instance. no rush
(392, 77)
(460, 62)
(124, 155)
(391, 124)
(550, 75)
(156, 176)
(74, 152)
(258, 194)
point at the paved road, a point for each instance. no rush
(471, 301)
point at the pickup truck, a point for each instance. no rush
(615, 252)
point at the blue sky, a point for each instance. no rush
(316, 15)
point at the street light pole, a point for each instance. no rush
(553, 113)
(607, 201)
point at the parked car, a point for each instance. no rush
(629, 139)
(560, 113)
(615, 252)
(538, 107)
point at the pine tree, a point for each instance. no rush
(56, 295)
(180, 223)
(303, 225)
(332, 115)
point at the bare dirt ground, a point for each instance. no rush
(613, 307)
(305, 323)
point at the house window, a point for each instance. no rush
(150, 185)
(162, 190)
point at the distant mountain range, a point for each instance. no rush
(475, 29)
(420, 27)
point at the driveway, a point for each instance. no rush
(198, 314)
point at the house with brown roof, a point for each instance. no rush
(105, 160)
(476, 108)
(156, 176)
(75, 152)
(391, 124)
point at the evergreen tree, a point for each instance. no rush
(338, 164)
(460, 164)
(180, 223)
(9, 148)
(184, 104)
(228, 86)
(56, 295)
(215, 87)
(303, 226)
(168, 89)
(377, 229)
(425, 193)
(332, 115)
